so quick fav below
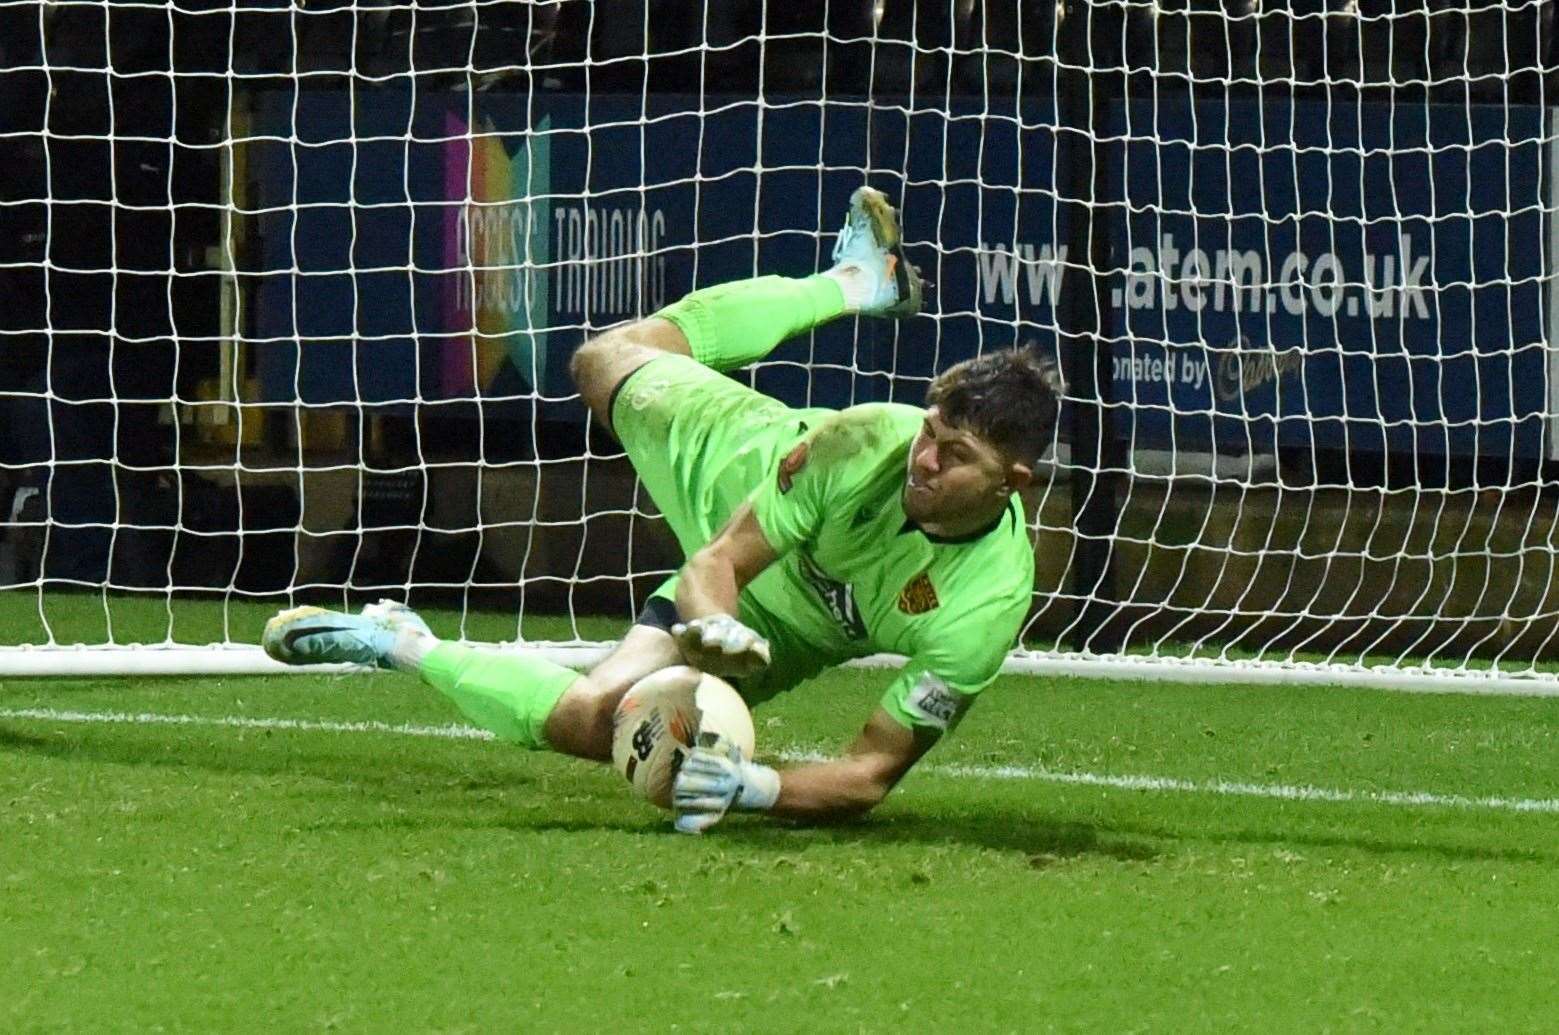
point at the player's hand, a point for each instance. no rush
(721, 646)
(706, 786)
(713, 779)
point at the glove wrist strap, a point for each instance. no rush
(760, 788)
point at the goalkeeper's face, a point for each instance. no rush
(956, 480)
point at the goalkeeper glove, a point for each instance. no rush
(714, 779)
(721, 645)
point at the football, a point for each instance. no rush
(658, 720)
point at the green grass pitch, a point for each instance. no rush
(214, 875)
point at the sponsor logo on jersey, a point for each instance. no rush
(794, 461)
(838, 597)
(918, 595)
(935, 703)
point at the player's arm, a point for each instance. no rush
(853, 784)
(715, 778)
(929, 698)
(918, 708)
(773, 521)
(710, 636)
(713, 577)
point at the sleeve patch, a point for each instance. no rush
(789, 467)
(933, 702)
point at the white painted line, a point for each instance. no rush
(455, 731)
(1284, 792)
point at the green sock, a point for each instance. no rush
(510, 694)
(732, 325)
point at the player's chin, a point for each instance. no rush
(920, 505)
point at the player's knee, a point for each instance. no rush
(606, 359)
(587, 360)
(602, 710)
(592, 370)
(601, 363)
(581, 722)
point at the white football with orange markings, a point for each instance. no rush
(659, 718)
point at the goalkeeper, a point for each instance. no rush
(812, 536)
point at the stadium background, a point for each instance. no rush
(1301, 250)
(232, 852)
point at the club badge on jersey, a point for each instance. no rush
(918, 595)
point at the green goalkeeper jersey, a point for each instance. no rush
(857, 577)
(854, 576)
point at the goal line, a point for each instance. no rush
(240, 659)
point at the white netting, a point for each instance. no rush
(291, 290)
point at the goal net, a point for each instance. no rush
(291, 288)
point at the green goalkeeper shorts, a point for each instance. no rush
(700, 442)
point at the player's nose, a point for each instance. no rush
(926, 459)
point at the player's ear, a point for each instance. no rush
(1019, 476)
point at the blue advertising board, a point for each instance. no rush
(1361, 277)
(464, 245)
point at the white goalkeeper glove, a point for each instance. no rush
(721, 646)
(714, 779)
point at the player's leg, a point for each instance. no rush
(731, 325)
(699, 441)
(520, 696)
(581, 723)
(721, 327)
(602, 364)
(314, 635)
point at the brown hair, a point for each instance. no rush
(1010, 398)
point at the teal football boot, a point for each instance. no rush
(872, 243)
(315, 636)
